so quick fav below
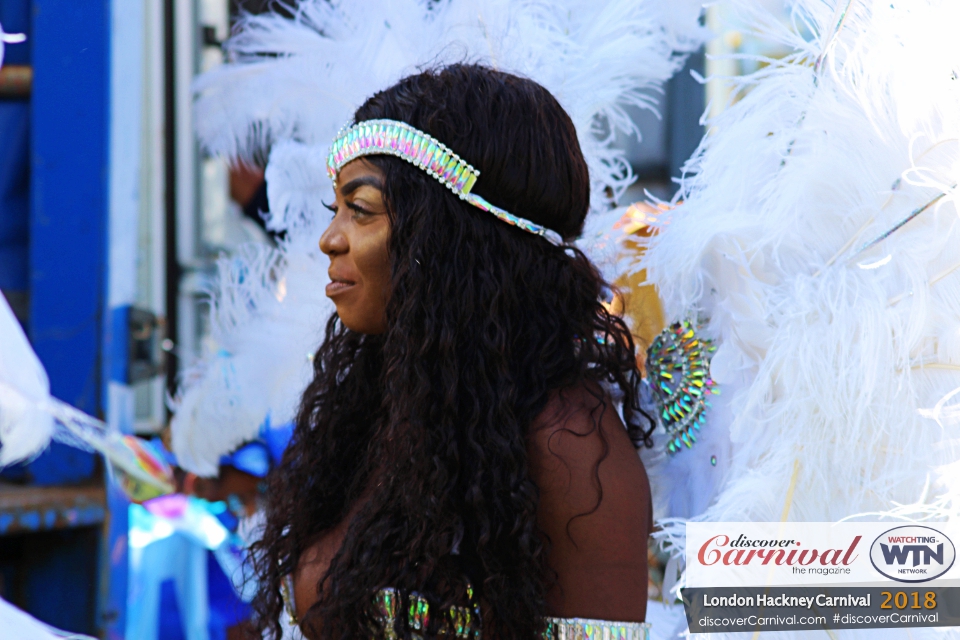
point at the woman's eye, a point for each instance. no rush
(330, 207)
(358, 211)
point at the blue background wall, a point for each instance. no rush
(68, 212)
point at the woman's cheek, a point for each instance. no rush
(373, 262)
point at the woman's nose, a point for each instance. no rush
(334, 241)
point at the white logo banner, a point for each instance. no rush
(730, 554)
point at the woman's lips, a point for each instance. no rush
(339, 286)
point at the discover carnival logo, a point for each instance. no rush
(743, 551)
(912, 554)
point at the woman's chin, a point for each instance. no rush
(360, 323)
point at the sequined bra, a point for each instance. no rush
(463, 623)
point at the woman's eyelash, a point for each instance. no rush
(350, 205)
(357, 208)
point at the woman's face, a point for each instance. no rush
(356, 242)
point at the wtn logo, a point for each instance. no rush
(899, 554)
(912, 554)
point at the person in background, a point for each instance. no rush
(248, 189)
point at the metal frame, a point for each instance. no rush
(151, 290)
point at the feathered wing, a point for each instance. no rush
(25, 428)
(290, 86)
(833, 351)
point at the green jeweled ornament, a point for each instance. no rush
(678, 364)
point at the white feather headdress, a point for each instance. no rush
(838, 330)
(293, 83)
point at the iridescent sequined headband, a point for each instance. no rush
(390, 137)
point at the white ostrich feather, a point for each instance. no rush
(292, 84)
(267, 316)
(302, 79)
(836, 361)
(25, 429)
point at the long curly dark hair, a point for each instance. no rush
(429, 422)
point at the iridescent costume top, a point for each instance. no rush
(464, 623)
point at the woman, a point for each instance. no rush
(458, 456)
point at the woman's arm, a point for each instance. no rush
(594, 507)
(314, 563)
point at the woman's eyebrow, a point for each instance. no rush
(356, 183)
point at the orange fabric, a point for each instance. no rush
(636, 300)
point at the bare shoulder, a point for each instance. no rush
(578, 445)
(594, 506)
